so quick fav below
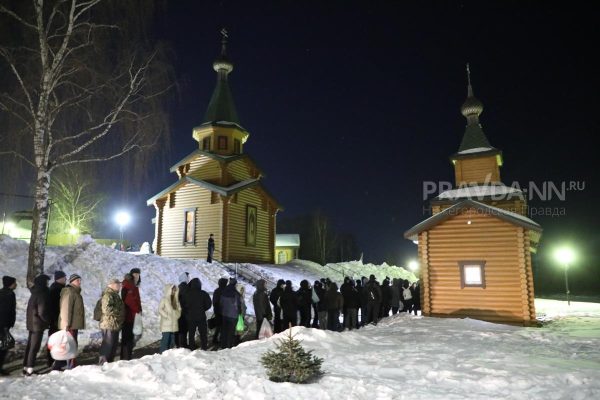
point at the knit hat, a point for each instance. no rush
(114, 280)
(59, 274)
(135, 271)
(7, 281)
(74, 277)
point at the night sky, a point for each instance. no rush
(351, 106)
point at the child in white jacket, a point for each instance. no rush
(169, 311)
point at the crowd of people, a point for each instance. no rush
(183, 311)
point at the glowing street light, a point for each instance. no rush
(565, 256)
(73, 231)
(122, 219)
(413, 265)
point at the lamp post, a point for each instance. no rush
(122, 219)
(565, 256)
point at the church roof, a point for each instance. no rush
(287, 240)
(218, 157)
(508, 216)
(222, 190)
(480, 192)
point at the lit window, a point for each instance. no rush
(472, 274)
(189, 229)
(222, 142)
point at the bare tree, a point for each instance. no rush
(75, 202)
(78, 88)
(322, 236)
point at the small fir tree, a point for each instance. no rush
(291, 363)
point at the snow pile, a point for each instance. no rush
(97, 264)
(296, 270)
(402, 357)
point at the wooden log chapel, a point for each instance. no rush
(475, 250)
(219, 190)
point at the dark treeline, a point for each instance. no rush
(320, 240)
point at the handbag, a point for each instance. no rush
(212, 322)
(240, 327)
(7, 341)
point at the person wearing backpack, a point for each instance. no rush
(407, 297)
(373, 292)
(112, 315)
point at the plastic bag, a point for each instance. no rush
(62, 346)
(138, 326)
(239, 327)
(265, 330)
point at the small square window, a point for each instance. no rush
(472, 274)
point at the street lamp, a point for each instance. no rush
(122, 219)
(565, 256)
(413, 265)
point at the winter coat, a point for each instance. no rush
(289, 303)
(169, 315)
(216, 300)
(37, 312)
(275, 296)
(351, 297)
(53, 304)
(182, 290)
(113, 310)
(321, 305)
(386, 294)
(373, 292)
(8, 308)
(131, 297)
(197, 301)
(260, 299)
(395, 293)
(231, 301)
(334, 299)
(304, 295)
(72, 312)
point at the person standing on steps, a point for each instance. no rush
(211, 248)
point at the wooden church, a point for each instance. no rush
(475, 250)
(219, 190)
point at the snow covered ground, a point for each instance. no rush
(403, 357)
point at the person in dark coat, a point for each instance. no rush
(361, 295)
(335, 304)
(53, 306)
(231, 307)
(415, 290)
(289, 306)
(407, 296)
(386, 298)
(198, 303)
(304, 295)
(262, 307)
(315, 305)
(182, 334)
(217, 309)
(344, 288)
(321, 305)
(373, 294)
(210, 248)
(275, 299)
(37, 321)
(8, 312)
(351, 304)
